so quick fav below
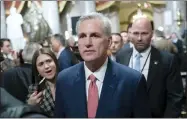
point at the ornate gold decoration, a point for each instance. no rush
(61, 5)
(102, 6)
(179, 19)
(157, 2)
(13, 4)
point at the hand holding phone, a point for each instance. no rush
(41, 85)
(35, 98)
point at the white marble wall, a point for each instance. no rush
(114, 17)
(174, 6)
(3, 21)
(158, 17)
(79, 8)
(51, 15)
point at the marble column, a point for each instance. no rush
(87, 7)
(174, 7)
(77, 9)
(51, 15)
(3, 21)
(158, 17)
(113, 14)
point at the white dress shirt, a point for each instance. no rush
(145, 55)
(131, 45)
(58, 55)
(99, 74)
(113, 57)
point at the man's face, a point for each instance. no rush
(141, 35)
(116, 44)
(124, 36)
(92, 42)
(173, 36)
(54, 45)
(6, 47)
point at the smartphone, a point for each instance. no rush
(41, 85)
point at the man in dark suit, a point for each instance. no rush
(65, 56)
(161, 70)
(99, 87)
(178, 43)
(17, 80)
(126, 36)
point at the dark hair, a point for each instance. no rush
(35, 74)
(46, 39)
(21, 57)
(129, 26)
(60, 38)
(2, 40)
(117, 34)
(152, 25)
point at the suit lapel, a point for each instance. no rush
(80, 90)
(153, 66)
(109, 86)
(126, 57)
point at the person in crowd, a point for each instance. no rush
(10, 56)
(71, 43)
(128, 43)
(124, 36)
(45, 43)
(161, 70)
(17, 80)
(65, 57)
(179, 44)
(10, 107)
(99, 87)
(44, 70)
(116, 44)
(161, 43)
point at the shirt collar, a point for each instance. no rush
(113, 57)
(175, 40)
(99, 74)
(58, 55)
(144, 53)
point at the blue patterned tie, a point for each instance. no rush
(137, 62)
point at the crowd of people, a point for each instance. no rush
(135, 73)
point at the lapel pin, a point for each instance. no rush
(155, 62)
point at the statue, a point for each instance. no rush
(14, 30)
(35, 27)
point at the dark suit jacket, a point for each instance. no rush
(164, 82)
(66, 59)
(17, 80)
(179, 46)
(126, 46)
(13, 108)
(123, 93)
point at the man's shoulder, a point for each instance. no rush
(164, 57)
(71, 70)
(66, 53)
(127, 73)
(123, 51)
(163, 54)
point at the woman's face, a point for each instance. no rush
(46, 66)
